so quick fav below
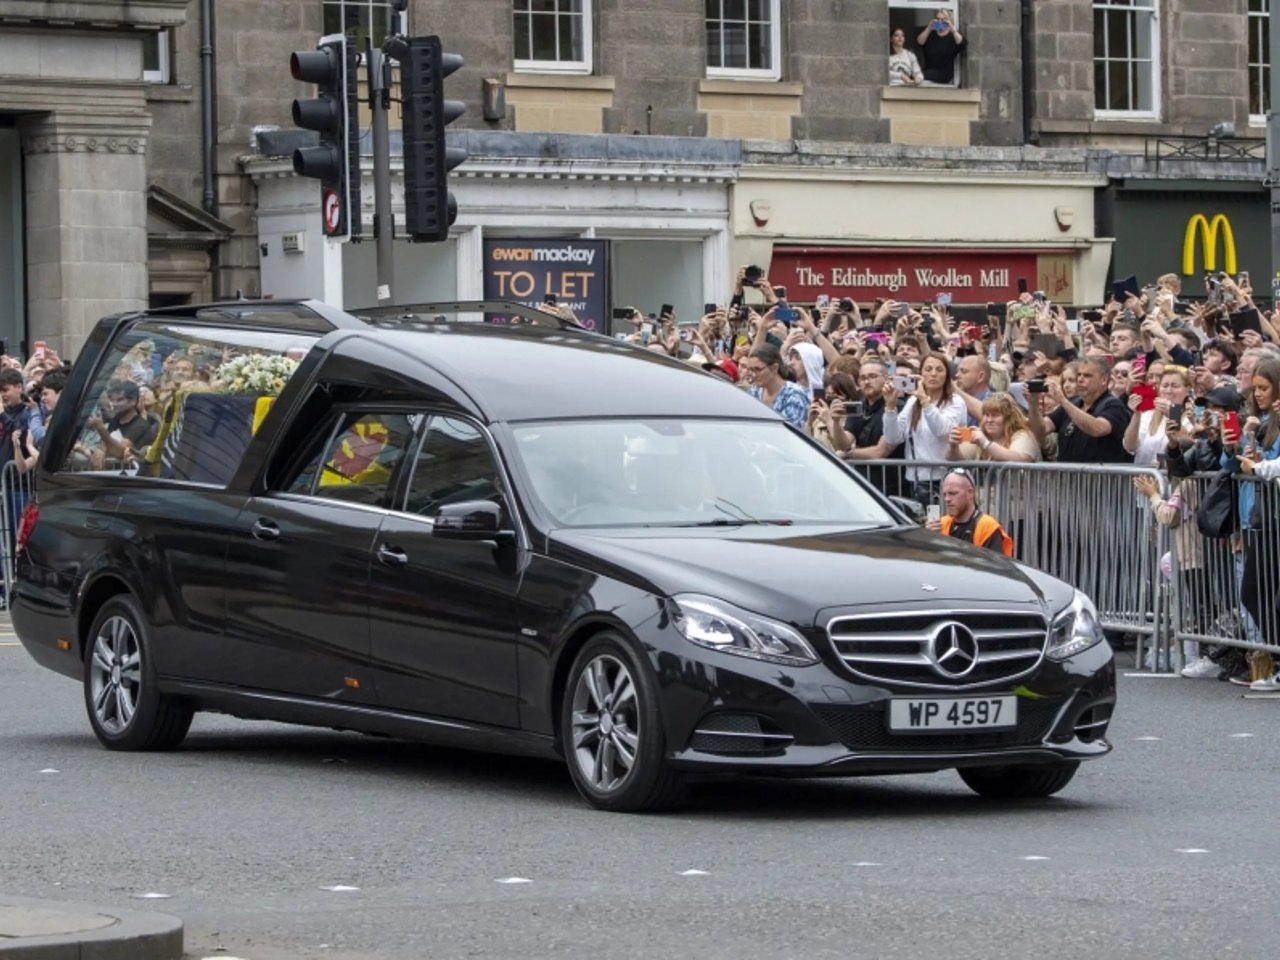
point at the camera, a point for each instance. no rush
(752, 275)
(854, 408)
(1037, 386)
(846, 304)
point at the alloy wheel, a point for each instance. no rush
(115, 675)
(606, 723)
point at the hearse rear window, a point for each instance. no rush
(181, 403)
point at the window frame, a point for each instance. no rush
(410, 471)
(370, 4)
(958, 81)
(1263, 67)
(771, 75)
(1150, 9)
(584, 67)
(164, 74)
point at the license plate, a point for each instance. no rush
(961, 713)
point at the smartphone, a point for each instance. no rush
(39, 348)
(1177, 411)
(823, 300)
(934, 512)
(667, 311)
(943, 299)
(549, 299)
(966, 434)
(1231, 425)
(820, 394)
(1093, 316)
(1039, 297)
(780, 292)
(622, 313)
(1022, 285)
(646, 332)
(901, 309)
(786, 314)
(4, 348)
(1148, 395)
(998, 310)
(892, 369)
(904, 384)
(1242, 279)
(709, 308)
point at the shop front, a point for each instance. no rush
(596, 222)
(864, 225)
(1190, 227)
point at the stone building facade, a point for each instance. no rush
(104, 202)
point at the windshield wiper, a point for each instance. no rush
(726, 522)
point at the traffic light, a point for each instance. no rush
(429, 209)
(334, 115)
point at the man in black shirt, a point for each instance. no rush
(1090, 427)
(867, 431)
(128, 433)
(942, 44)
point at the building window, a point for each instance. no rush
(1126, 58)
(914, 18)
(1259, 60)
(743, 39)
(361, 19)
(155, 57)
(553, 36)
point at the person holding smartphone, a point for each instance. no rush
(1145, 437)
(1258, 444)
(925, 423)
(942, 44)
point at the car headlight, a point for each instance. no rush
(720, 626)
(1075, 630)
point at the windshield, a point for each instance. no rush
(609, 473)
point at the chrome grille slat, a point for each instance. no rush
(1008, 645)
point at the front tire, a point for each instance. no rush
(1019, 783)
(612, 732)
(122, 695)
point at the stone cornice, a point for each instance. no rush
(482, 168)
(81, 133)
(95, 14)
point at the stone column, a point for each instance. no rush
(86, 213)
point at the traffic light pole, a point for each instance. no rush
(384, 224)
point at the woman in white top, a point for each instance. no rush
(1145, 437)
(926, 422)
(1004, 435)
(904, 68)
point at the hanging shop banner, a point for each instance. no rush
(529, 271)
(912, 274)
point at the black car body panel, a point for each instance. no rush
(272, 605)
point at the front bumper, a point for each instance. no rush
(728, 714)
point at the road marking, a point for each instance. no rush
(8, 644)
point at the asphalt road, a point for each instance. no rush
(1167, 848)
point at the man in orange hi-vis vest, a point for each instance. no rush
(963, 519)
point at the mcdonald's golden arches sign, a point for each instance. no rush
(1208, 230)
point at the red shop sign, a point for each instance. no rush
(902, 274)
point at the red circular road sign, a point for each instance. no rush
(332, 211)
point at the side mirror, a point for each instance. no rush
(912, 508)
(474, 520)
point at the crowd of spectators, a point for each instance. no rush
(1148, 379)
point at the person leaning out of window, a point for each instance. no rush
(942, 44)
(904, 68)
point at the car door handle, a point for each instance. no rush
(392, 556)
(266, 530)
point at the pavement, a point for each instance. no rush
(281, 843)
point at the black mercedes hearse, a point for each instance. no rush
(522, 537)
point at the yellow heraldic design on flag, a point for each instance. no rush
(260, 411)
(357, 457)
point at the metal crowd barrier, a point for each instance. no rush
(1227, 590)
(16, 490)
(1082, 523)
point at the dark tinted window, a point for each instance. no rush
(358, 463)
(454, 465)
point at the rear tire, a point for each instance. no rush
(121, 693)
(612, 732)
(1019, 783)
